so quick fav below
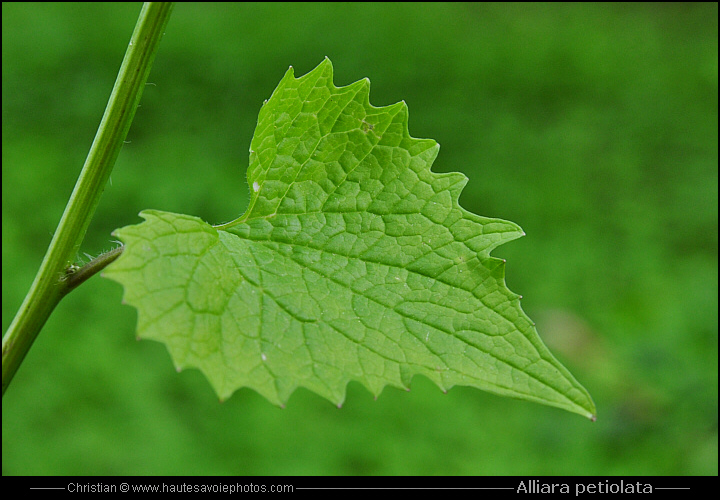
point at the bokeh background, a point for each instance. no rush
(593, 126)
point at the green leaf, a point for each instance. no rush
(353, 261)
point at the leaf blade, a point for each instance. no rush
(353, 261)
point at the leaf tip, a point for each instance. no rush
(327, 62)
(593, 418)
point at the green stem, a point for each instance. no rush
(51, 282)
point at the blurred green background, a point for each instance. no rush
(593, 126)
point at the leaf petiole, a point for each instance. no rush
(78, 275)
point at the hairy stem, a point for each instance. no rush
(51, 282)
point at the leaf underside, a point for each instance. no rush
(353, 261)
